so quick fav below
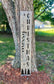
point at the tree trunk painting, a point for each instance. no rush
(12, 9)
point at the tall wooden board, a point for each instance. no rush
(25, 35)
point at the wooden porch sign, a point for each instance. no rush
(25, 35)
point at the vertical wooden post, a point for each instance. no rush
(27, 16)
(26, 35)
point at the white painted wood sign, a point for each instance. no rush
(25, 35)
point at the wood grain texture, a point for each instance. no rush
(13, 15)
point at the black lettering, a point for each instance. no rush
(28, 15)
(27, 27)
(22, 49)
(28, 33)
(28, 39)
(28, 71)
(22, 44)
(28, 58)
(27, 45)
(23, 39)
(26, 51)
(22, 72)
(27, 63)
(28, 21)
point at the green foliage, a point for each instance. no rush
(42, 10)
(40, 68)
(6, 48)
(3, 20)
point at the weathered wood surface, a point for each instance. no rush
(26, 35)
(27, 5)
(12, 10)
